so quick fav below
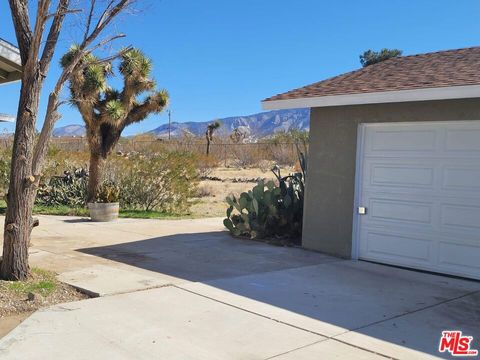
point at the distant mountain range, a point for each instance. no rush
(253, 126)
(69, 131)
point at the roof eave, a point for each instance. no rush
(7, 118)
(425, 94)
(10, 63)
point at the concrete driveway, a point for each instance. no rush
(185, 289)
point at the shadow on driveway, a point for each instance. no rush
(330, 296)
(207, 256)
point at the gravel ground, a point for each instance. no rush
(40, 290)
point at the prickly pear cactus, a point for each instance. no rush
(269, 210)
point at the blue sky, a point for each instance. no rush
(219, 58)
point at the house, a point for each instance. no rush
(394, 162)
(10, 69)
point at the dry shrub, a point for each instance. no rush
(163, 182)
(204, 191)
(265, 165)
(59, 160)
(282, 154)
(205, 165)
(248, 155)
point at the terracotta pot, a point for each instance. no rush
(103, 211)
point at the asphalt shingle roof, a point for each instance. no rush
(432, 70)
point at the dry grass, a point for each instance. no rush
(213, 203)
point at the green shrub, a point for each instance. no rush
(68, 189)
(163, 182)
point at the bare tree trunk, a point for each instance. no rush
(207, 135)
(94, 175)
(21, 193)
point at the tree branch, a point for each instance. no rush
(105, 13)
(66, 12)
(106, 41)
(154, 103)
(106, 18)
(53, 34)
(21, 22)
(89, 19)
(40, 21)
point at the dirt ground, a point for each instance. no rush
(212, 193)
(10, 322)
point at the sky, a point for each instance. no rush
(220, 58)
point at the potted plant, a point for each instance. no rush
(106, 206)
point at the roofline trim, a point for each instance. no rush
(395, 96)
(7, 118)
(10, 54)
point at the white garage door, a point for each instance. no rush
(420, 184)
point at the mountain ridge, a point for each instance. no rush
(254, 126)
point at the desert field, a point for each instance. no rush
(224, 181)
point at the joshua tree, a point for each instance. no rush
(38, 27)
(209, 133)
(106, 111)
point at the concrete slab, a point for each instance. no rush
(335, 297)
(59, 225)
(206, 256)
(417, 334)
(234, 299)
(101, 280)
(329, 349)
(181, 251)
(167, 323)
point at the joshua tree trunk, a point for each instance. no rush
(21, 193)
(208, 145)
(94, 174)
(209, 133)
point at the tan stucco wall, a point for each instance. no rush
(330, 187)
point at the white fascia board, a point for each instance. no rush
(10, 54)
(441, 93)
(7, 118)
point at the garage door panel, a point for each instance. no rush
(464, 178)
(403, 211)
(420, 183)
(459, 258)
(402, 140)
(463, 140)
(393, 246)
(401, 175)
(462, 216)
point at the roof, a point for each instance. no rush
(413, 77)
(10, 63)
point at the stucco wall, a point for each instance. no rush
(329, 208)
